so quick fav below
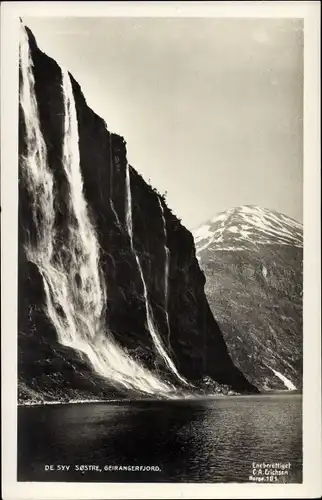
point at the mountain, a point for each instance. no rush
(111, 300)
(252, 260)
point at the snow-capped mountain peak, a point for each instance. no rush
(252, 259)
(238, 227)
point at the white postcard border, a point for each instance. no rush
(312, 466)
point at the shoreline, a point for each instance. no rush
(165, 401)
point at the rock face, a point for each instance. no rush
(252, 260)
(186, 326)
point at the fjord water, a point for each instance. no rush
(209, 440)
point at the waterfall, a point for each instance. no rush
(38, 179)
(128, 209)
(166, 269)
(73, 283)
(157, 341)
(111, 179)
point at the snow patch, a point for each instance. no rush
(202, 233)
(264, 271)
(219, 218)
(288, 384)
(249, 224)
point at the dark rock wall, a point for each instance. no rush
(196, 343)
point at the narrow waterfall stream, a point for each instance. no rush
(149, 314)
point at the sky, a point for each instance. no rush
(211, 109)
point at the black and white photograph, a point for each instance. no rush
(160, 278)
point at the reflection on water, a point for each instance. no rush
(191, 441)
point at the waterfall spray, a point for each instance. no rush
(73, 282)
(157, 341)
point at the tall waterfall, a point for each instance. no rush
(73, 283)
(112, 179)
(166, 269)
(157, 341)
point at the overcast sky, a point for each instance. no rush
(211, 109)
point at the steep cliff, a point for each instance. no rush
(252, 259)
(155, 312)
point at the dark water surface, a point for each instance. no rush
(190, 441)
